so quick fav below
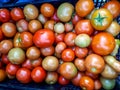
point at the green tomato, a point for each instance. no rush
(16, 55)
(82, 40)
(64, 12)
(107, 84)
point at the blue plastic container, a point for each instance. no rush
(16, 85)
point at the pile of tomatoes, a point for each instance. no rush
(67, 44)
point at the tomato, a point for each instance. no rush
(64, 11)
(30, 11)
(23, 75)
(81, 52)
(63, 81)
(94, 63)
(33, 53)
(49, 24)
(75, 18)
(23, 40)
(60, 47)
(34, 25)
(68, 55)
(16, 55)
(38, 74)
(51, 78)
(22, 25)
(50, 63)
(84, 26)
(113, 7)
(92, 75)
(68, 70)
(47, 9)
(101, 19)
(27, 64)
(11, 69)
(47, 51)
(69, 38)
(80, 64)
(68, 26)
(43, 38)
(9, 29)
(82, 40)
(2, 75)
(98, 84)
(16, 14)
(76, 80)
(59, 37)
(59, 27)
(55, 17)
(42, 18)
(37, 62)
(84, 7)
(86, 83)
(1, 34)
(103, 43)
(5, 59)
(5, 46)
(4, 15)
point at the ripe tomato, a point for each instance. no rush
(103, 43)
(98, 84)
(59, 37)
(92, 75)
(27, 64)
(94, 63)
(2, 75)
(69, 38)
(68, 70)
(23, 40)
(63, 81)
(38, 74)
(86, 83)
(55, 17)
(75, 18)
(81, 52)
(47, 9)
(84, 26)
(16, 14)
(84, 7)
(4, 15)
(76, 79)
(49, 24)
(1, 34)
(36, 63)
(68, 55)
(60, 47)
(113, 7)
(101, 19)
(11, 69)
(23, 75)
(9, 29)
(5, 59)
(47, 51)
(43, 38)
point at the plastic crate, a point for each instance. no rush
(16, 85)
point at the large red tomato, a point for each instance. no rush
(103, 43)
(43, 38)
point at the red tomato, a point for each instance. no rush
(59, 37)
(38, 74)
(63, 81)
(23, 75)
(68, 55)
(37, 62)
(11, 69)
(17, 14)
(4, 15)
(5, 59)
(1, 34)
(43, 38)
(27, 64)
(75, 19)
(54, 17)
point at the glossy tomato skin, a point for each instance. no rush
(11, 69)
(1, 34)
(23, 75)
(59, 37)
(103, 43)
(5, 59)
(44, 38)
(63, 81)
(84, 7)
(86, 83)
(113, 7)
(27, 64)
(101, 19)
(84, 26)
(4, 15)
(38, 74)
(17, 14)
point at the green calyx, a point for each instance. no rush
(99, 19)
